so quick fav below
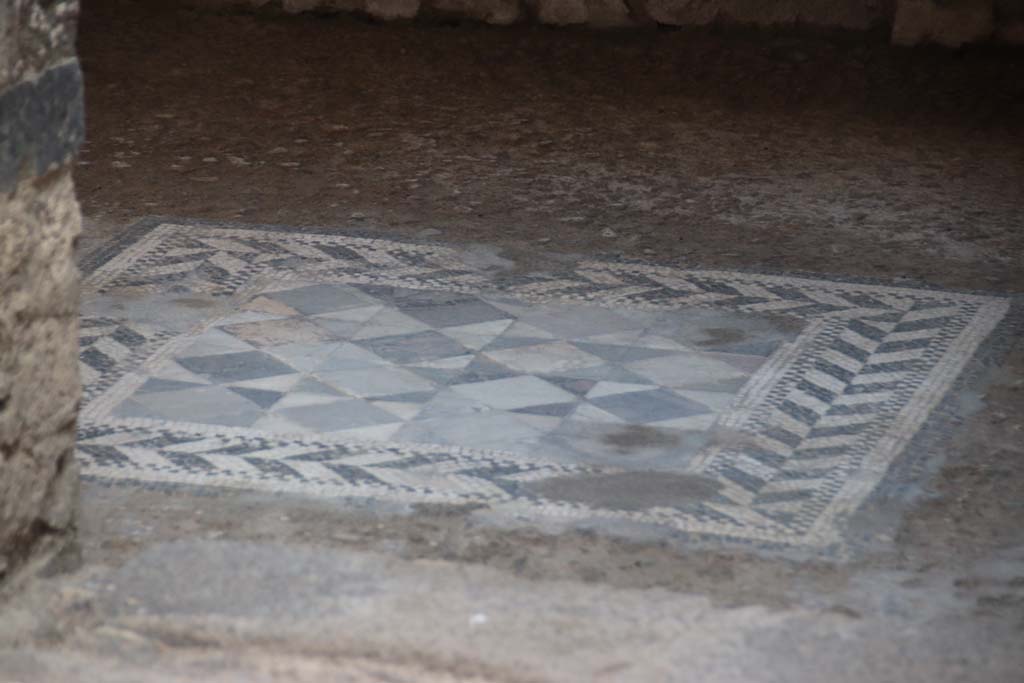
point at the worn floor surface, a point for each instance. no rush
(531, 152)
(687, 403)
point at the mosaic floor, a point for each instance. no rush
(358, 367)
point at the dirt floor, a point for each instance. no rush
(833, 154)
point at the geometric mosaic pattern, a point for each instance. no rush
(372, 362)
(107, 346)
(348, 366)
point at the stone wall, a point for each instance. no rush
(910, 22)
(852, 14)
(957, 22)
(40, 130)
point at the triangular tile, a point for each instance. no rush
(477, 335)
(304, 357)
(248, 317)
(381, 432)
(622, 354)
(281, 383)
(263, 304)
(591, 413)
(579, 387)
(156, 384)
(361, 314)
(474, 342)
(131, 408)
(174, 372)
(277, 424)
(608, 372)
(311, 385)
(610, 388)
(389, 323)
(548, 358)
(411, 397)
(349, 356)
(295, 400)
(653, 341)
(406, 411)
(643, 353)
(384, 294)
(542, 423)
(279, 331)
(206, 405)
(439, 376)
(504, 342)
(700, 422)
(728, 386)
(448, 404)
(243, 419)
(214, 342)
(490, 328)
(323, 298)
(627, 338)
(739, 361)
(481, 370)
(338, 329)
(261, 397)
(607, 352)
(521, 329)
(578, 322)
(716, 400)
(763, 349)
(683, 369)
(451, 363)
(549, 410)
(515, 308)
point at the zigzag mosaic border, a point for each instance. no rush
(814, 431)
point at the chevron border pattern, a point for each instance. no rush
(809, 438)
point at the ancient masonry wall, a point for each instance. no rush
(40, 129)
(909, 22)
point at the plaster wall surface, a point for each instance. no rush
(40, 129)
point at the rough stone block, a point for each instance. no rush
(499, 12)
(598, 13)
(951, 23)
(608, 13)
(297, 6)
(40, 129)
(683, 12)
(947, 22)
(39, 385)
(41, 124)
(855, 14)
(561, 12)
(393, 9)
(35, 35)
(850, 14)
